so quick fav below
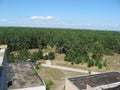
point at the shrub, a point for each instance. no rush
(40, 54)
(72, 62)
(109, 52)
(89, 72)
(51, 55)
(11, 58)
(36, 66)
(100, 66)
(45, 57)
(90, 63)
(105, 63)
(35, 72)
(48, 84)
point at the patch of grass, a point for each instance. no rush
(56, 76)
(35, 72)
(49, 49)
(48, 84)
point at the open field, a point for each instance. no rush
(57, 76)
(113, 63)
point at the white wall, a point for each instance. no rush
(32, 88)
(70, 86)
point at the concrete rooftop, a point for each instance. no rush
(95, 80)
(22, 76)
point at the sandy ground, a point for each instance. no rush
(113, 63)
(57, 76)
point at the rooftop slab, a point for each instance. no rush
(22, 76)
(95, 80)
(3, 46)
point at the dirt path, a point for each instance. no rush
(68, 69)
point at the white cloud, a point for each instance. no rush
(3, 20)
(118, 25)
(42, 17)
(47, 20)
(89, 24)
(109, 24)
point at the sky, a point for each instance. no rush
(81, 14)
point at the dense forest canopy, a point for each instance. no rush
(75, 44)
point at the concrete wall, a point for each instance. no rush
(32, 88)
(89, 87)
(3, 79)
(70, 86)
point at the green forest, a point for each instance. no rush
(79, 46)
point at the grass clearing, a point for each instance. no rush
(57, 76)
(48, 50)
(113, 63)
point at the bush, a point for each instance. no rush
(40, 54)
(36, 66)
(105, 63)
(34, 57)
(72, 63)
(90, 63)
(35, 72)
(10, 58)
(45, 57)
(89, 72)
(100, 66)
(51, 55)
(78, 60)
(109, 52)
(67, 58)
(48, 84)
(97, 62)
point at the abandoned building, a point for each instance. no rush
(3, 79)
(103, 81)
(18, 76)
(21, 77)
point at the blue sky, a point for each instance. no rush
(83, 14)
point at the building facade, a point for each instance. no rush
(3, 79)
(18, 76)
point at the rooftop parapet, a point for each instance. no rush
(2, 51)
(103, 80)
(3, 46)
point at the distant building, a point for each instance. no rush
(3, 80)
(103, 81)
(21, 77)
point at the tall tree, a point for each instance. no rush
(51, 55)
(40, 54)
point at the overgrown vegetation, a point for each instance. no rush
(48, 84)
(35, 72)
(75, 44)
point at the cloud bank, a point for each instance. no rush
(3, 20)
(42, 17)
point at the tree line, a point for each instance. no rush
(74, 43)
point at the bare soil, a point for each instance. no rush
(57, 76)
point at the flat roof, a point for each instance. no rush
(22, 76)
(95, 80)
(3, 46)
(2, 51)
